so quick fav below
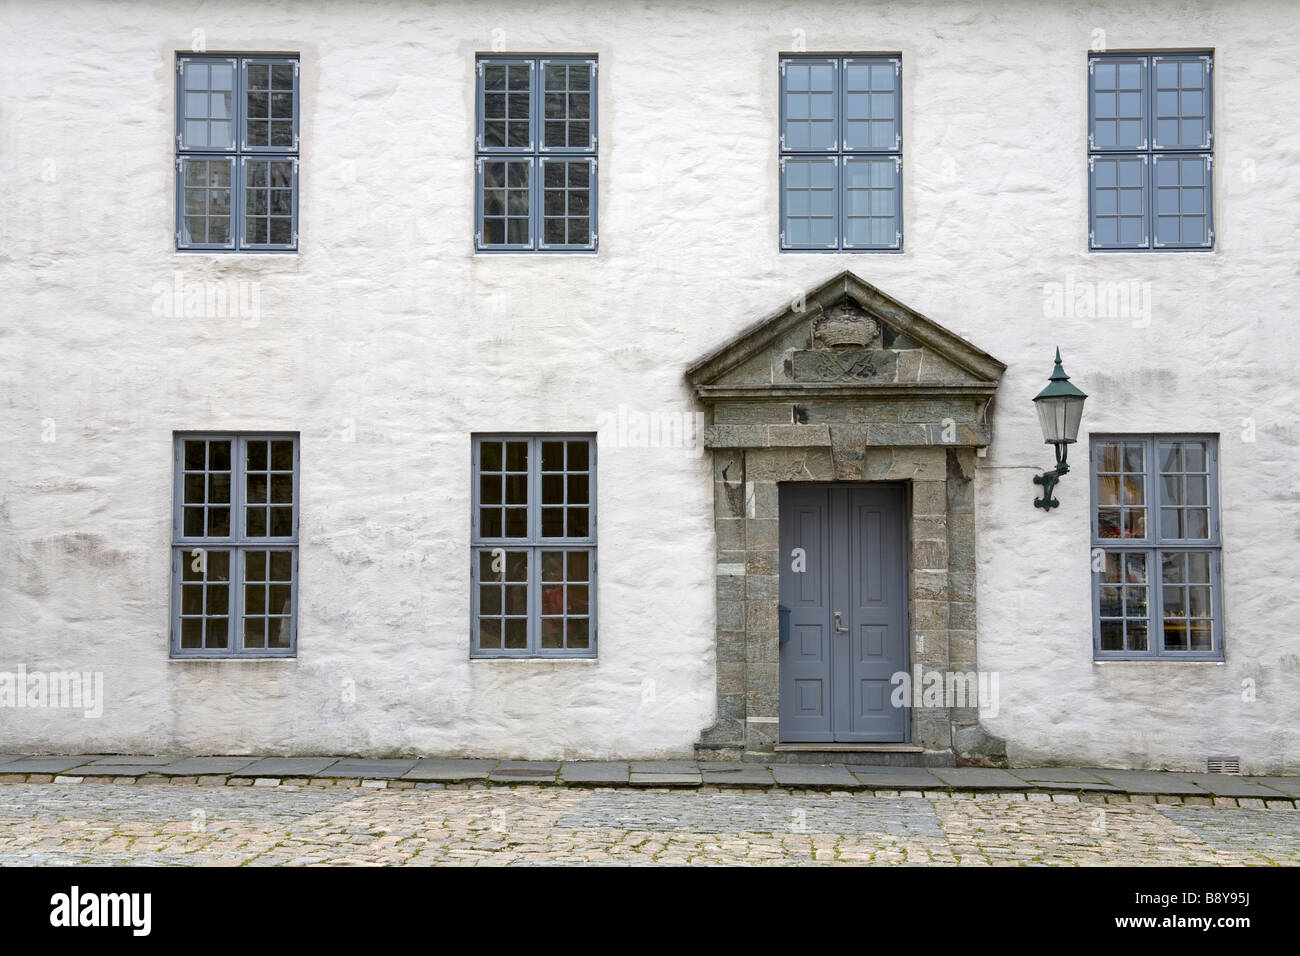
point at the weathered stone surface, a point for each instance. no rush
(982, 777)
(844, 365)
(797, 436)
(367, 769)
(902, 778)
(815, 776)
(594, 772)
(46, 765)
(754, 413)
(190, 766)
(286, 767)
(450, 770)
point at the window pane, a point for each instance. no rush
(552, 632)
(506, 200)
(1118, 98)
(566, 106)
(578, 524)
(809, 191)
(1181, 119)
(507, 105)
(1137, 637)
(870, 111)
(578, 632)
(205, 200)
(207, 104)
(566, 201)
(1108, 491)
(516, 635)
(1182, 195)
(808, 95)
(870, 201)
(578, 456)
(1118, 201)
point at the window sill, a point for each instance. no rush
(231, 660)
(534, 660)
(1159, 660)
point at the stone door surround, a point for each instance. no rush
(846, 385)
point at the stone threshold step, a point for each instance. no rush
(838, 748)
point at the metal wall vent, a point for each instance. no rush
(1223, 765)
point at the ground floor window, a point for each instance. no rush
(1156, 552)
(533, 544)
(235, 545)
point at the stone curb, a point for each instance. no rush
(998, 794)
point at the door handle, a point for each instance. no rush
(838, 622)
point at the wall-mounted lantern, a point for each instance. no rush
(1060, 409)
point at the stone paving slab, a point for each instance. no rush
(383, 769)
(1231, 785)
(46, 764)
(115, 770)
(1153, 781)
(665, 779)
(1288, 785)
(1057, 774)
(204, 766)
(983, 778)
(438, 770)
(132, 760)
(286, 767)
(665, 766)
(1093, 782)
(896, 778)
(594, 771)
(749, 775)
(814, 775)
(525, 771)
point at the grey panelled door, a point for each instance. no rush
(844, 612)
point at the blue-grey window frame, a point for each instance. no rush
(239, 151)
(238, 543)
(839, 153)
(534, 544)
(1154, 544)
(535, 153)
(1149, 153)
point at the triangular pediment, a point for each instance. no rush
(846, 335)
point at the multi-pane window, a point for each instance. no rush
(534, 546)
(1156, 550)
(841, 153)
(536, 154)
(237, 153)
(235, 546)
(1150, 151)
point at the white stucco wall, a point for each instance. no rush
(387, 330)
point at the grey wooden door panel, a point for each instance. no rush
(806, 658)
(835, 671)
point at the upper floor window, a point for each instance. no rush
(534, 546)
(841, 153)
(1150, 151)
(1157, 589)
(536, 154)
(237, 153)
(235, 546)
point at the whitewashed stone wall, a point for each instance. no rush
(385, 341)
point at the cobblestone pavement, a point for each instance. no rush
(530, 825)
